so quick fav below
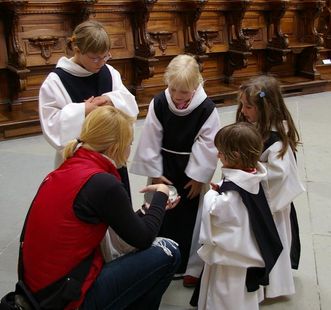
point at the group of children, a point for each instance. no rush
(238, 240)
(244, 229)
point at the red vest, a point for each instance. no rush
(55, 239)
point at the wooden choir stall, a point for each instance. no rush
(233, 40)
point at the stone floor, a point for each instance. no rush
(24, 162)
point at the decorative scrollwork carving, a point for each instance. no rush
(44, 43)
(208, 35)
(194, 44)
(162, 38)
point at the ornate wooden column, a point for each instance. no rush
(18, 71)
(193, 42)
(239, 44)
(308, 12)
(324, 24)
(144, 48)
(278, 42)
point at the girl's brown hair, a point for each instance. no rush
(105, 130)
(240, 144)
(264, 92)
(90, 36)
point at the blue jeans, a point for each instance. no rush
(136, 280)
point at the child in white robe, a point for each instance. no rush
(240, 240)
(261, 103)
(77, 86)
(176, 147)
(80, 84)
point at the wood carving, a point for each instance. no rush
(208, 35)
(16, 57)
(324, 24)
(143, 44)
(144, 47)
(193, 42)
(45, 43)
(278, 42)
(161, 38)
(239, 44)
(11, 13)
(83, 10)
(309, 11)
(306, 63)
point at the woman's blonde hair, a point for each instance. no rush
(90, 36)
(105, 130)
(264, 92)
(183, 72)
(240, 144)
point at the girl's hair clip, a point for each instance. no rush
(262, 94)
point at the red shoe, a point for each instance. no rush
(190, 281)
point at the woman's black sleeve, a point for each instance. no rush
(104, 199)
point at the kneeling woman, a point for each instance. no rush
(70, 214)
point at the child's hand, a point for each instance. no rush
(170, 205)
(100, 100)
(161, 179)
(214, 186)
(195, 188)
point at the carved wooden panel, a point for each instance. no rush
(166, 32)
(212, 28)
(3, 47)
(232, 39)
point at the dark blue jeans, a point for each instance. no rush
(136, 280)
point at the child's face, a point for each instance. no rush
(181, 98)
(224, 162)
(248, 110)
(92, 62)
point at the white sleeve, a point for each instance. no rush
(203, 159)
(61, 119)
(120, 96)
(226, 233)
(282, 185)
(147, 159)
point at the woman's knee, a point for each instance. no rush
(170, 248)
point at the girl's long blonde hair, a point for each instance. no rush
(105, 130)
(264, 92)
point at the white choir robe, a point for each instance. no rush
(61, 119)
(201, 166)
(229, 246)
(281, 187)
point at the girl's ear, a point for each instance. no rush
(76, 50)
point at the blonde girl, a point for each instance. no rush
(177, 148)
(70, 214)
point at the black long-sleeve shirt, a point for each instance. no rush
(104, 199)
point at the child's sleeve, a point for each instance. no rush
(120, 96)
(147, 159)
(283, 184)
(60, 118)
(225, 232)
(203, 159)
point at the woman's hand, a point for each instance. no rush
(156, 188)
(170, 205)
(161, 179)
